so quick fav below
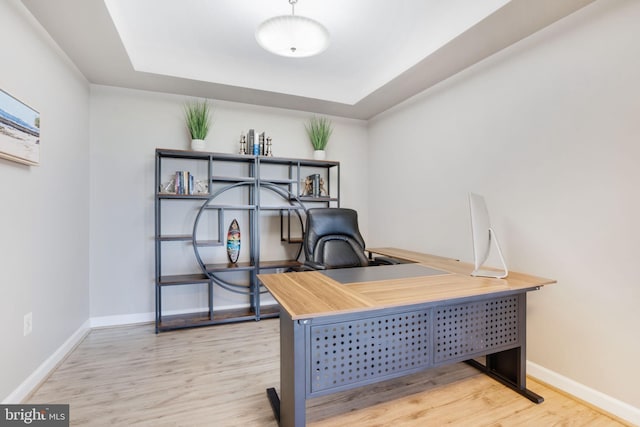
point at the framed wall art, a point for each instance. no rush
(19, 131)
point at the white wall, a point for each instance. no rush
(126, 128)
(44, 210)
(548, 131)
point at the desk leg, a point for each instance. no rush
(289, 410)
(509, 367)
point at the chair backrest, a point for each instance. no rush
(332, 238)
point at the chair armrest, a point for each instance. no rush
(301, 268)
(310, 265)
(383, 260)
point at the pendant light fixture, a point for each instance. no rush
(292, 35)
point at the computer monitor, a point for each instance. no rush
(483, 235)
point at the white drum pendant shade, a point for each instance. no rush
(293, 36)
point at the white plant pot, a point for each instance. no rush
(319, 154)
(197, 144)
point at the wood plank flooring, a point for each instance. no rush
(217, 376)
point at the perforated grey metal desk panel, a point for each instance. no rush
(340, 349)
(380, 272)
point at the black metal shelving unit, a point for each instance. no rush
(251, 186)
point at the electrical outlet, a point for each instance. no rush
(28, 323)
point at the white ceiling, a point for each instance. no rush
(373, 41)
(381, 51)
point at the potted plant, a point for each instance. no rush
(319, 130)
(198, 118)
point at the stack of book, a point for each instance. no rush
(256, 143)
(185, 183)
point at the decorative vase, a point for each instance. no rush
(319, 154)
(197, 144)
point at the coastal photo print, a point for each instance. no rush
(19, 131)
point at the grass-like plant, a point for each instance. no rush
(319, 130)
(198, 117)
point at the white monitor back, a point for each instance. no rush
(482, 235)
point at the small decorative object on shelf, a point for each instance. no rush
(308, 186)
(183, 183)
(269, 151)
(233, 242)
(168, 187)
(256, 144)
(201, 187)
(319, 130)
(313, 185)
(243, 144)
(198, 119)
(322, 192)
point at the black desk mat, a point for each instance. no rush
(380, 272)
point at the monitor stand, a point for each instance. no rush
(492, 273)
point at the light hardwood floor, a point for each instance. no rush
(217, 376)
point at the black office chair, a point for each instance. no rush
(333, 240)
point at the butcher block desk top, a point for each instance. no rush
(312, 294)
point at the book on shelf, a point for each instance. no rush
(262, 143)
(256, 143)
(184, 183)
(251, 141)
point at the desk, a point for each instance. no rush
(336, 336)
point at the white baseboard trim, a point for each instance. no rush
(121, 319)
(598, 399)
(130, 319)
(42, 371)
